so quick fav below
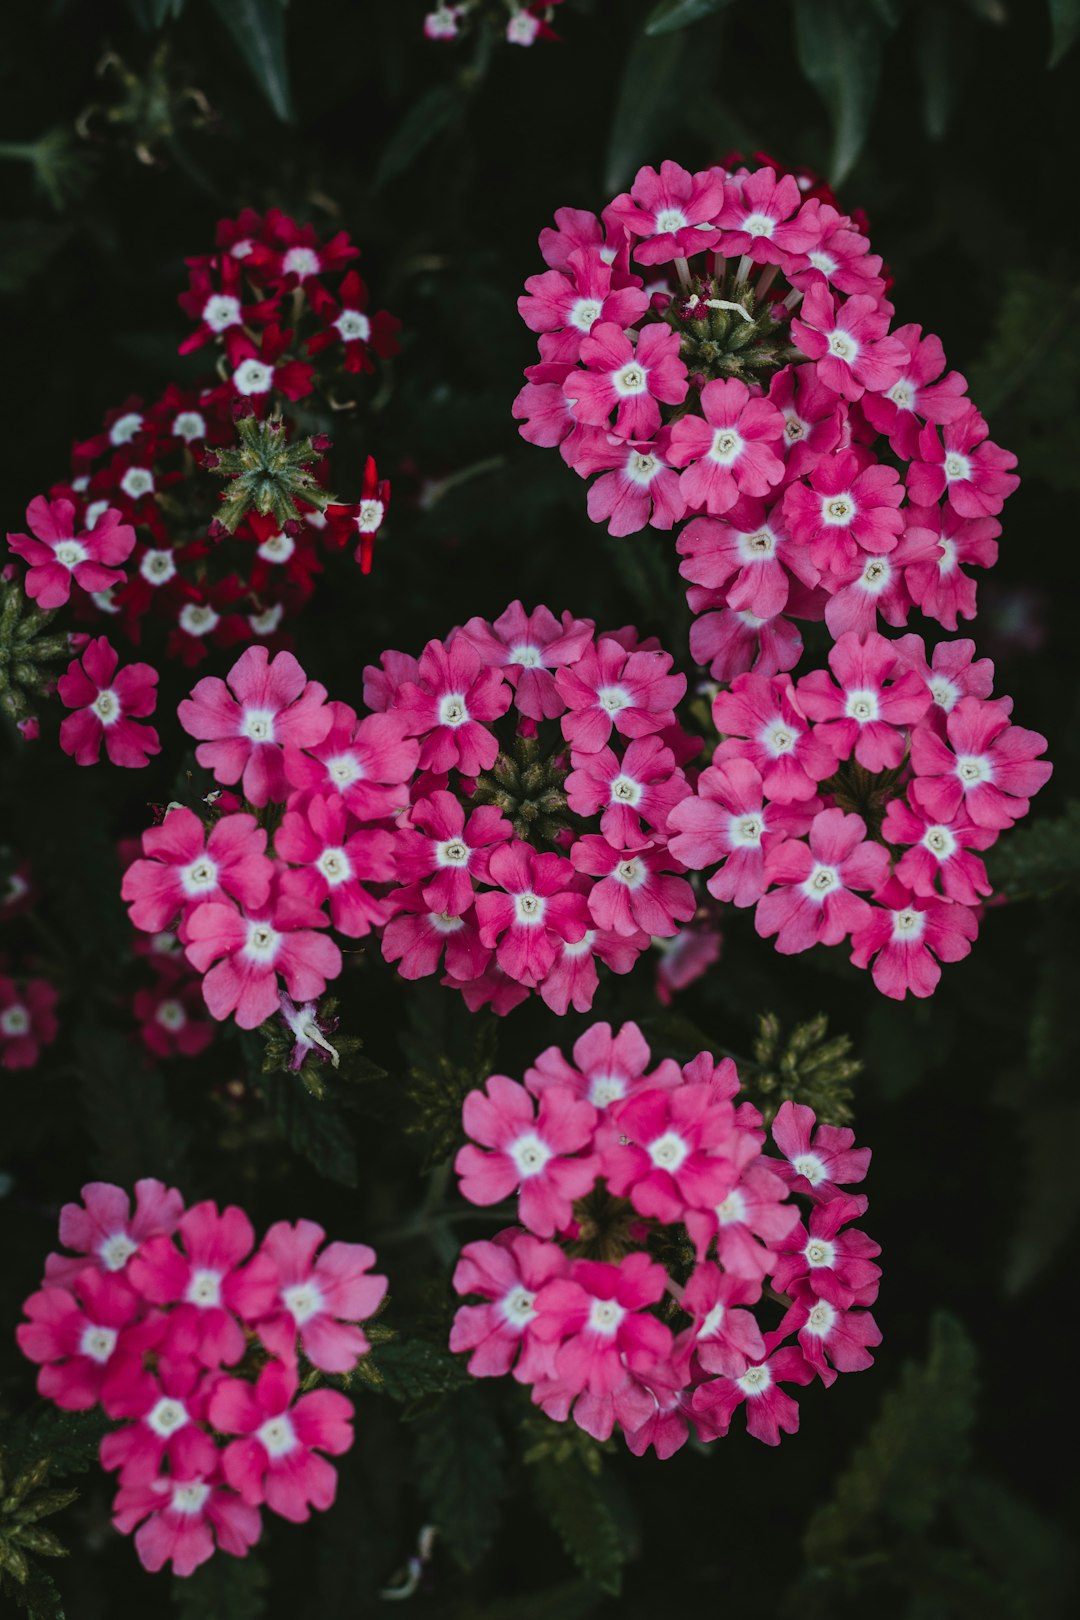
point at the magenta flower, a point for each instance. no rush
(181, 1521)
(277, 1459)
(383, 681)
(814, 903)
(828, 1334)
(846, 508)
(607, 1067)
(731, 644)
(185, 866)
(985, 764)
(813, 418)
(57, 555)
(761, 720)
(610, 687)
(939, 859)
(507, 1273)
(166, 1409)
(838, 1265)
(636, 892)
(334, 866)
(367, 762)
(84, 1339)
(538, 1151)
(598, 1316)
(747, 1223)
(262, 704)
(27, 1021)
(685, 959)
(727, 823)
(850, 343)
(876, 698)
(907, 935)
(972, 473)
(668, 1427)
(535, 906)
(816, 1161)
(573, 978)
(721, 1338)
(748, 555)
(243, 952)
(640, 489)
(756, 207)
(639, 790)
(733, 452)
(937, 582)
(440, 845)
(917, 396)
(953, 672)
(626, 379)
(108, 702)
(416, 938)
(168, 1016)
(105, 1234)
(873, 585)
(319, 1298)
(572, 303)
(669, 1152)
(455, 693)
(201, 1279)
(769, 1411)
(674, 212)
(529, 646)
(832, 248)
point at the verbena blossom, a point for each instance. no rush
(108, 703)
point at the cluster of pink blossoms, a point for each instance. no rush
(528, 20)
(27, 1020)
(620, 1171)
(131, 537)
(195, 1342)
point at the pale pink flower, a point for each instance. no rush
(368, 762)
(185, 865)
(907, 935)
(814, 903)
(640, 789)
(108, 702)
(58, 554)
(864, 711)
(598, 1316)
(539, 1152)
(637, 891)
(508, 1273)
(86, 1339)
(318, 1297)
(277, 1459)
(817, 1158)
(734, 451)
(634, 692)
(529, 646)
(535, 906)
(769, 1411)
(727, 823)
(685, 959)
(850, 343)
(242, 953)
(761, 720)
(674, 212)
(667, 1429)
(917, 396)
(750, 1221)
(572, 979)
(983, 763)
(105, 1234)
(972, 473)
(181, 1520)
(247, 719)
(952, 672)
(939, 859)
(27, 1021)
(455, 693)
(838, 1265)
(336, 866)
(626, 378)
(829, 1334)
(732, 644)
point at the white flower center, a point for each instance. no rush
(604, 1089)
(908, 924)
(529, 909)
(822, 880)
(862, 705)
(810, 1166)
(98, 1343)
(199, 876)
(671, 219)
(727, 446)
(452, 710)
(344, 769)
(824, 262)
(95, 510)
(838, 510)
(759, 225)
(757, 546)
(258, 724)
(973, 769)
(369, 518)
(957, 467)
(613, 698)
(453, 852)
(137, 482)
(624, 790)
(940, 842)
(517, 1308)
(947, 561)
(527, 656)
(70, 553)
(745, 832)
(301, 261)
(116, 1251)
(712, 1323)
(580, 947)
(15, 1020)
(262, 942)
(189, 425)
(902, 394)
(819, 1252)
(631, 872)
(754, 1381)
(107, 707)
(353, 326)
(189, 1499)
(335, 866)
(303, 1301)
(733, 1210)
(843, 346)
(197, 618)
(944, 693)
(221, 311)
(166, 1416)
(277, 1435)
(605, 1316)
(242, 249)
(641, 467)
(171, 1015)
(779, 738)
(252, 377)
(443, 923)
(585, 314)
(794, 427)
(125, 428)
(820, 1321)
(669, 1151)
(204, 1289)
(530, 1153)
(277, 548)
(876, 575)
(631, 379)
(156, 567)
(265, 623)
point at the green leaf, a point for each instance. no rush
(1020, 1548)
(1047, 1215)
(37, 1596)
(839, 45)
(936, 68)
(314, 1127)
(646, 102)
(126, 1108)
(908, 1461)
(1040, 859)
(409, 1369)
(572, 1498)
(425, 120)
(460, 1472)
(672, 14)
(222, 1589)
(258, 30)
(1064, 28)
(68, 1439)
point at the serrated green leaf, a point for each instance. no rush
(38, 1595)
(839, 45)
(258, 30)
(573, 1500)
(647, 99)
(409, 1369)
(460, 1472)
(916, 1448)
(1064, 28)
(223, 1588)
(1039, 860)
(672, 14)
(313, 1126)
(423, 123)
(68, 1440)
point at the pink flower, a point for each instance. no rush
(753, 217)
(448, 850)
(108, 703)
(598, 1316)
(937, 583)
(721, 1337)
(967, 469)
(168, 1015)
(181, 1520)
(608, 686)
(104, 1233)
(539, 1153)
(668, 1155)
(335, 866)
(916, 396)
(455, 693)
(834, 249)
(243, 952)
(732, 644)
(166, 1409)
(641, 788)
(685, 959)
(573, 978)
(57, 554)
(865, 714)
(277, 1459)
(572, 303)
(635, 893)
(748, 555)
(266, 704)
(201, 1280)
(761, 721)
(674, 211)
(846, 508)
(186, 866)
(732, 452)
(870, 585)
(318, 1297)
(368, 762)
(508, 1273)
(904, 933)
(642, 488)
(27, 1021)
(607, 1067)
(986, 764)
(849, 343)
(85, 1340)
(769, 1411)
(626, 379)
(416, 938)
(827, 1333)
(816, 1164)
(728, 823)
(940, 858)
(493, 988)
(529, 646)
(952, 673)
(536, 908)
(383, 681)
(753, 1216)
(814, 903)
(813, 417)
(838, 1265)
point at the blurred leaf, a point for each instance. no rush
(1045, 1214)
(258, 30)
(1041, 859)
(152, 14)
(937, 68)
(126, 1108)
(572, 1497)
(840, 45)
(459, 1472)
(671, 14)
(222, 1589)
(69, 1440)
(901, 1045)
(648, 96)
(570, 1600)
(425, 119)
(1064, 28)
(312, 1126)
(409, 1369)
(26, 246)
(897, 1477)
(1025, 1553)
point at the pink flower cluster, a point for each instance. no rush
(529, 20)
(620, 1170)
(27, 1021)
(195, 1341)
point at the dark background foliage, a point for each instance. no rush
(937, 1485)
